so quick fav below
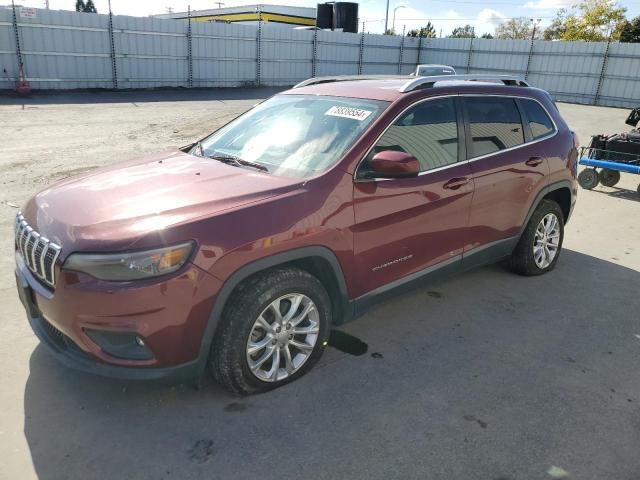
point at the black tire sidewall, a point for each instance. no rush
(543, 209)
(522, 258)
(241, 315)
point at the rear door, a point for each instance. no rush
(506, 166)
(406, 225)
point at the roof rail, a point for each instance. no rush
(347, 78)
(426, 82)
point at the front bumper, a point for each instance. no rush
(78, 353)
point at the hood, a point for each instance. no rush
(126, 201)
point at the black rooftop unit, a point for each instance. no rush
(335, 15)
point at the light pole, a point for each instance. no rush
(393, 24)
(535, 23)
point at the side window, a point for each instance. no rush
(427, 131)
(539, 121)
(495, 124)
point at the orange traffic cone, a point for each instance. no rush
(22, 86)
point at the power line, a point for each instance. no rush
(455, 19)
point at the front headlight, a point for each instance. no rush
(130, 265)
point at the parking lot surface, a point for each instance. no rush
(485, 376)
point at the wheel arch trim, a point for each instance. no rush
(541, 194)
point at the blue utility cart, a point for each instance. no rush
(604, 166)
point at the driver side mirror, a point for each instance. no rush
(393, 164)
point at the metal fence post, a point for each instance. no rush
(419, 50)
(259, 50)
(17, 34)
(605, 57)
(114, 70)
(401, 51)
(361, 51)
(315, 52)
(526, 73)
(470, 55)
(189, 51)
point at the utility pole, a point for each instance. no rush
(386, 19)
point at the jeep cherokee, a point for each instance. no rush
(239, 252)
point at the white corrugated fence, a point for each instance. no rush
(69, 50)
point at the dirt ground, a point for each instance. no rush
(486, 376)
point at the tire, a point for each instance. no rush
(525, 259)
(240, 330)
(609, 178)
(588, 178)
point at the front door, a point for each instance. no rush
(406, 225)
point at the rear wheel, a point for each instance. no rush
(609, 178)
(539, 246)
(273, 330)
(588, 178)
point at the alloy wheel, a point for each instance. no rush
(546, 241)
(283, 337)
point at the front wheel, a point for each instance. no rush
(539, 246)
(273, 329)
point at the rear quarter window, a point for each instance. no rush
(539, 122)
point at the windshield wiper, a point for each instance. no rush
(238, 162)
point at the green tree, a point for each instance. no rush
(425, 32)
(590, 21)
(90, 7)
(463, 32)
(630, 31)
(488, 36)
(390, 31)
(516, 29)
(556, 30)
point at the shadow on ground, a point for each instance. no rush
(489, 375)
(633, 195)
(55, 97)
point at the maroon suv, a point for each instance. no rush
(240, 252)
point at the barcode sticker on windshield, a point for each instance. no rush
(348, 112)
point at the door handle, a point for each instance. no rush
(534, 161)
(456, 183)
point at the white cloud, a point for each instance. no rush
(490, 18)
(549, 4)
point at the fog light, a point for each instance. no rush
(123, 345)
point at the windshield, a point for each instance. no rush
(293, 135)
(434, 71)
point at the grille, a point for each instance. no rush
(55, 335)
(38, 252)
(59, 339)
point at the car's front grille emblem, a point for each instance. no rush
(38, 252)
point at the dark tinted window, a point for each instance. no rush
(434, 71)
(428, 132)
(539, 122)
(495, 124)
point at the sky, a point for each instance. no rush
(445, 15)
